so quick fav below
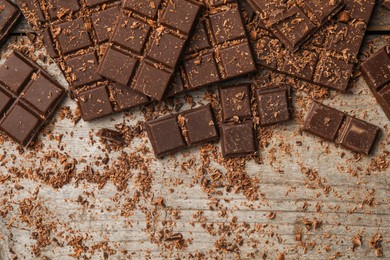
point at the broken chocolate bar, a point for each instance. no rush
(336, 126)
(75, 33)
(328, 58)
(174, 133)
(28, 98)
(147, 44)
(293, 22)
(376, 72)
(219, 49)
(9, 16)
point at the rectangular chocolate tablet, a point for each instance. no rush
(293, 22)
(235, 102)
(219, 49)
(274, 105)
(237, 139)
(148, 42)
(376, 72)
(9, 16)
(328, 58)
(336, 126)
(28, 98)
(174, 133)
(75, 33)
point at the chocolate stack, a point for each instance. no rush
(117, 55)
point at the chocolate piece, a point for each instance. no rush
(274, 105)
(294, 22)
(376, 72)
(328, 58)
(147, 44)
(111, 135)
(237, 139)
(219, 49)
(338, 127)
(9, 16)
(386, 4)
(28, 98)
(235, 102)
(75, 33)
(173, 133)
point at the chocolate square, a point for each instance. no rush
(227, 26)
(83, 69)
(94, 103)
(201, 70)
(273, 105)
(237, 139)
(235, 102)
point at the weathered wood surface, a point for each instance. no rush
(339, 191)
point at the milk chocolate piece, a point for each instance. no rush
(235, 102)
(28, 98)
(274, 105)
(336, 126)
(328, 58)
(376, 72)
(174, 133)
(237, 139)
(147, 44)
(75, 33)
(219, 49)
(294, 22)
(9, 16)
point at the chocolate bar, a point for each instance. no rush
(174, 133)
(340, 128)
(293, 22)
(9, 16)
(274, 105)
(237, 139)
(147, 44)
(28, 98)
(75, 33)
(376, 72)
(235, 102)
(219, 49)
(328, 58)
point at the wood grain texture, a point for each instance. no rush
(339, 191)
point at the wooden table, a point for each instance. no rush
(315, 200)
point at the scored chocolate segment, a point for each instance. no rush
(294, 22)
(173, 133)
(75, 33)
(147, 44)
(218, 50)
(235, 102)
(199, 125)
(274, 105)
(28, 98)
(376, 72)
(328, 58)
(237, 139)
(338, 127)
(9, 16)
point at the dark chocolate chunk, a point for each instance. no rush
(173, 133)
(28, 98)
(328, 58)
(219, 49)
(235, 102)
(199, 125)
(111, 135)
(147, 44)
(294, 22)
(338, 127)
(357, 135)
(376, 72)
(9, 16)
(75, 33)
(274, 105)
(237, 139)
